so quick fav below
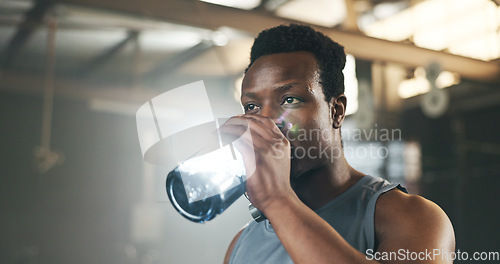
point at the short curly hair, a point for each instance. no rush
(294, 37)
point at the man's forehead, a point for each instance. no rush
(286, 61)
(281, 69)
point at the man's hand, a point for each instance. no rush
(269, 181)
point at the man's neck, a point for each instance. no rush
(321, 185)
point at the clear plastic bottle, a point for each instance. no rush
(204, 209)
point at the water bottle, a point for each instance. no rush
(204, 209)
(203, 187)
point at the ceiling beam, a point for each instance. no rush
(170, 64)
(107, 55)
(24, 31)
(206, 15)
(351, 20)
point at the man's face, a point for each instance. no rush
(285, 87)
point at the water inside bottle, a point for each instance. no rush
(204, 209)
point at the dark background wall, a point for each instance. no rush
(78, 208)
(461, 172)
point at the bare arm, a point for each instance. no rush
(413, 225)
(402, 221)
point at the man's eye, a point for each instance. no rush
(250, 107)
(291, 101)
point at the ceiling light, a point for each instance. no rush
(485, 47)
(420, 85)
(463, 27)
(219, 38)
(412, 87)
(397, 29)
(384, 10)
(241, 4)
(327, 13)
(447, 79)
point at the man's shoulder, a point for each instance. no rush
(395, 205)
(399, 215)
(403, 203)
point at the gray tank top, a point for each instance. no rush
(351, 214)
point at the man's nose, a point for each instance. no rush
(272, 113)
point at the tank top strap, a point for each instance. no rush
(369, 221)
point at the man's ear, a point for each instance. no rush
(338, 106)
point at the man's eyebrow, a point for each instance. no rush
(284, 88)
(249, 94)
